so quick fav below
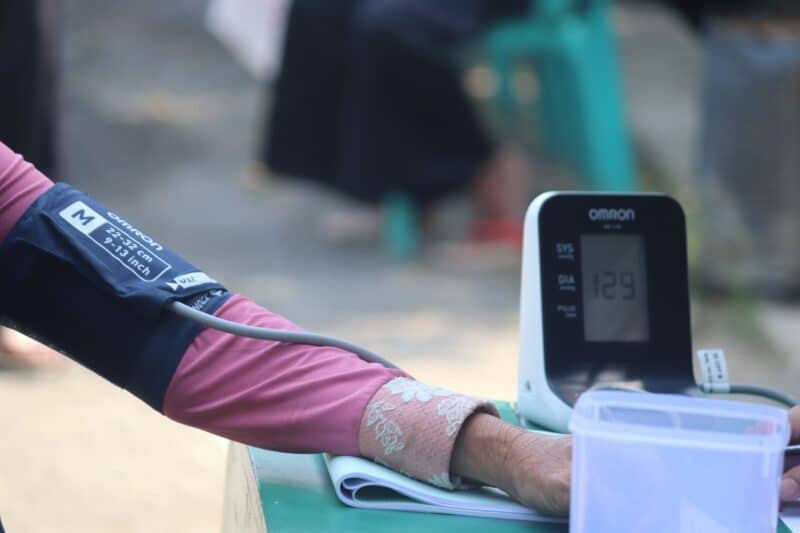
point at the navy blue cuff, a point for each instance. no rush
(82, 279)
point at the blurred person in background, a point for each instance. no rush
(28, 121)
(748, 164)
(700, 13)
(28, 100)
(369, 101)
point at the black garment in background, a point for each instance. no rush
(27, 83)
(697, 12)
(369, 99)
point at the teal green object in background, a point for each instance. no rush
(580, 116)
(580, 108)
(401, 227)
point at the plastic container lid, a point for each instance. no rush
(668, 419)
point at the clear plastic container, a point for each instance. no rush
(674, 464)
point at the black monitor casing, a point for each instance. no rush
(556, 363)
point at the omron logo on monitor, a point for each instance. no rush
(603, 214)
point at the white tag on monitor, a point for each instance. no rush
(714, 370)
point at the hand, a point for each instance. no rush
(790, 484)
(541, 468)
(534, 469)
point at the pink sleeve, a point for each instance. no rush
(302, 398)
(273, 395)
(20, 185)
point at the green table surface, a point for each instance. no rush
(288, 493)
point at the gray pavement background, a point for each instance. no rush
(160, 123)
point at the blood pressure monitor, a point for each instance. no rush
(605, 300)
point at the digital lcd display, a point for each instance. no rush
(614, 280)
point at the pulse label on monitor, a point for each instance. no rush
(567, 310)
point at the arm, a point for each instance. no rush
(282, 396)
(61, 286)
(20, 185)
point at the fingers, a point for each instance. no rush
(794, 422)
(790, 485)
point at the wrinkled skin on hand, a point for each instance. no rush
(534, 469)
(541, 468)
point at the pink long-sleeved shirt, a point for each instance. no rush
(289, 397)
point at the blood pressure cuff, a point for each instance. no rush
(84, 280)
